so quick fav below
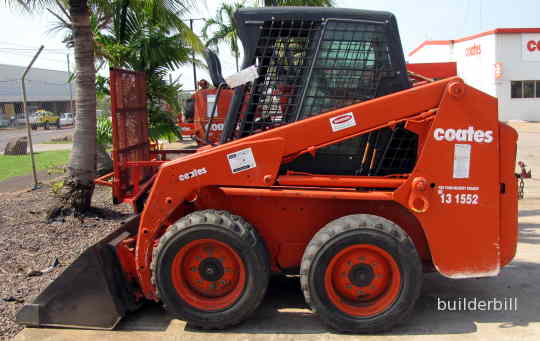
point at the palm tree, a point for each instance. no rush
(225, 29)
(155, 47)
(79, 186)
(79, 183)
(224, 25)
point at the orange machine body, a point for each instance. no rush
(434, 70)
(202, 120)
(462, 191)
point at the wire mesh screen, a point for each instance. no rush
(351, 60)
(310, 67)
(284, 54)
(398, 153)
(130, 125)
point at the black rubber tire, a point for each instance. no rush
(227, 228)
(350, 230)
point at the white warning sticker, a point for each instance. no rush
(241, 160)
(210, 103)
(462, 161)
(342, 122)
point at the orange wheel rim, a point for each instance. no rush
(208, 274)
(362, 280)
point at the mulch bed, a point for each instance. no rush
(28, 245)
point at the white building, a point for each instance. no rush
(504, 63)
(45, 89)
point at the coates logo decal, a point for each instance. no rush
(474, 50)
(530, 47)
(192, 174)
(463, 135)
(533, 45)
(342, 122)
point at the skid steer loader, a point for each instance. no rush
(331, 167)
(204, 112)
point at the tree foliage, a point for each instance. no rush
(140, 39)
(224, 29)
(221, 27)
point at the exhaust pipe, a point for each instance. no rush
(92, 293)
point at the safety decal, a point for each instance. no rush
(342, 122)
(462, 161)
(241, 160)
(210, 103)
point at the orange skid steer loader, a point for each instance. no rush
(204, 112)
(330, 167)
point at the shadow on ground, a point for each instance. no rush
(284, 310)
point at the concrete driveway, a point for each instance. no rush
(284, 315)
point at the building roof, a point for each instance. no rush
(474, 36)
(42, 85)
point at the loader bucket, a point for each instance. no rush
(91, 293)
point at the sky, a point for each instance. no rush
(418, 20)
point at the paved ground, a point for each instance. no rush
(38, 136)
(284, 316)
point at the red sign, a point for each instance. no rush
(342, 119)
(533, 45)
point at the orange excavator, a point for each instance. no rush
(330, 167)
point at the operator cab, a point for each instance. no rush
(314, 60)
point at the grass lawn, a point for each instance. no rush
(15, 165)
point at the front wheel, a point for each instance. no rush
(211, 269)
(361, 274)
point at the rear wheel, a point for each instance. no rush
(361, 274)
(211, 269)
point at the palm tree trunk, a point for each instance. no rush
(78, 186)
(236, 55)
